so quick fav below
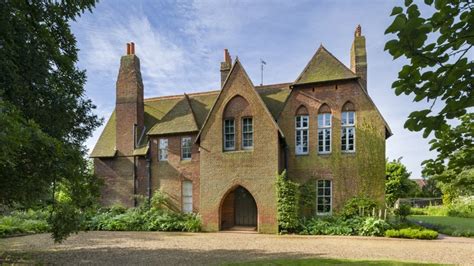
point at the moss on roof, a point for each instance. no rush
(178, 114)
(324, 67)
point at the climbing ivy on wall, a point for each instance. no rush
(288, 203)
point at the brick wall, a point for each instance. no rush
(359, 173)
(255, 170)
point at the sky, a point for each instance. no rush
(180, 45)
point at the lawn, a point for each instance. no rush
(455, 226)
(320, 261)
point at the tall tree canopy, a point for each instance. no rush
(440, 70)
(44, 116)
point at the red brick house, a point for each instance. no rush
(218, 153)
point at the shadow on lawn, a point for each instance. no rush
(139, 256)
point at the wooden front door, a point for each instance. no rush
(245, 208)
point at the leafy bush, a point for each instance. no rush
(287, 204)
(354, 206)
(373, 227)
(367, 226)
(412, 233)
(402, 212)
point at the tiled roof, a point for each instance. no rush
(182, 113)
(324, 67)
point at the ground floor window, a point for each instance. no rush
(187, 196)
(323, 197)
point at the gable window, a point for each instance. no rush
(324, 130)
(163, 150)
(323, 197)
(247, 133)
(301, 130)
(186, 146)
(187, 197)
(348, 131)
(229, 134)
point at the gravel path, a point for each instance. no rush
(138, 248)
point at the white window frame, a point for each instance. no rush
(225, 134)
(346, 127)
(187, 196)
(246, 131)
(185, 141)
(324, 196)
(324, 128)
(163, 150)
(299, 132)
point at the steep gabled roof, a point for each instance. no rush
(324, 66)
(237, 65)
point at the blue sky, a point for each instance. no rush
(180, 45)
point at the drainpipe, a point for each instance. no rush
(148, 167)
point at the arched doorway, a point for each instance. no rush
(239, 210)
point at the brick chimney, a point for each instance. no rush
(129, 109)
(225, 66)
(359, 56)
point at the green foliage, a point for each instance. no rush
(355, 205)
(412, 233)
(364, 226)
(308, 198)
(398, 183)
(24, 222)
(44, 115)
(287, 203)
(440, 71)
(402, 212)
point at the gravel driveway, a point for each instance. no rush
(214, 248)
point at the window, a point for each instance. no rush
(348, 131)
(163, 150)
(302, 126)
(247, 133)
(229, 134)
(323, 197)
(186, 145)
(324, 133)
(187, 196)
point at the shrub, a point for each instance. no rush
(353, 207)
(402, 212)
(412, 233)
(287, 204)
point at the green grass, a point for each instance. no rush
(454, 226)
(320, 261)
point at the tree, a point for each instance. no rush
(398, 183)
(439, 71)
(44, 115)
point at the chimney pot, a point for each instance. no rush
(133, 48)
(128, 48)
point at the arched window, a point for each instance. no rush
(324, 129)
(301, 130)
(237, 116)
(348, 121)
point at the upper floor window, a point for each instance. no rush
(163, 150)
(229, 134)
(186, 145)
(324, 129)
(301, 131)
(323, 197)
(348, 128)
(187, 189)
(247, 133)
